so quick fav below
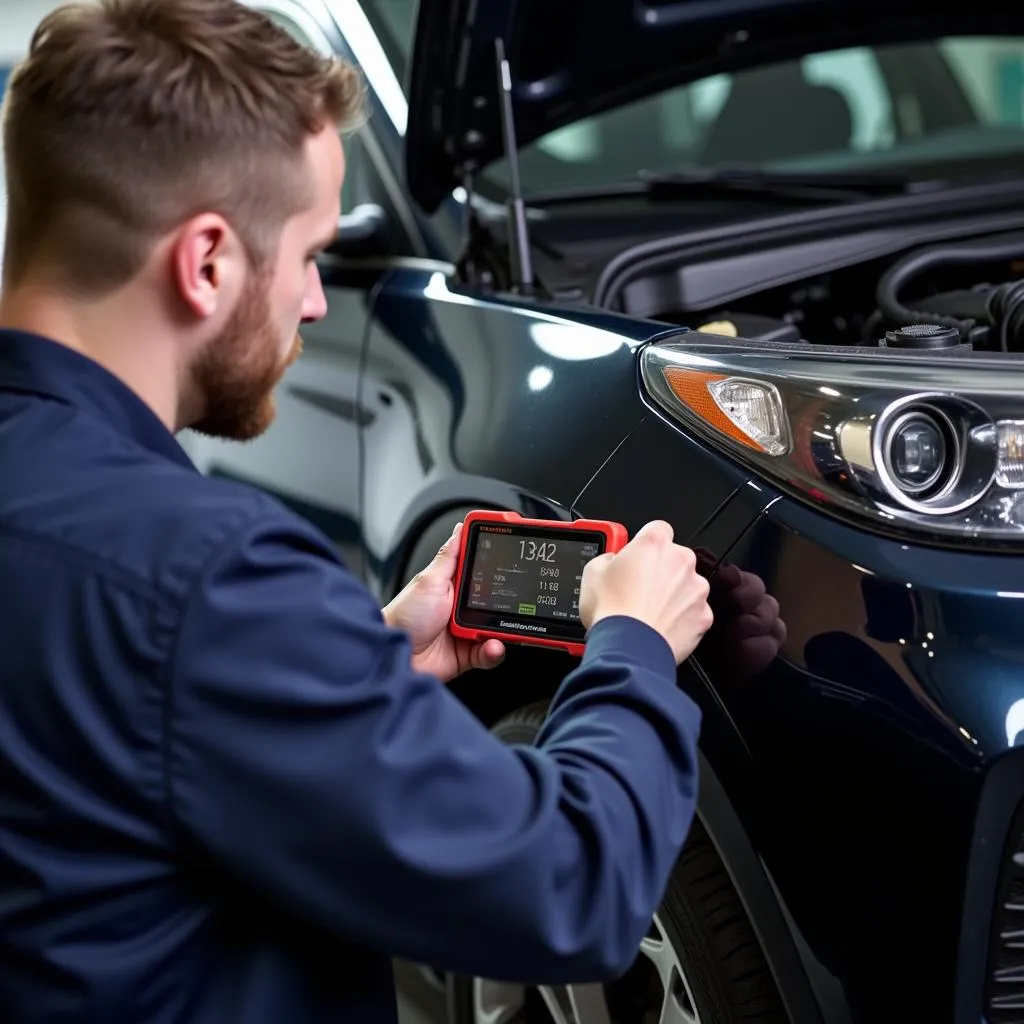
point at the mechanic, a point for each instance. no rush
(231, 786)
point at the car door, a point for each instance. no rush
(311, 457)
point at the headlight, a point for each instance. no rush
(913, 441)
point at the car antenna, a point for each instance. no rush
(518, 236)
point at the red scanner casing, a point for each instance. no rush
(613, 535)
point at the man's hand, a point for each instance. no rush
(654, 580)
(422, 611)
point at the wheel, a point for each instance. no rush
(699, 964)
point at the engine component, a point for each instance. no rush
(924, 336)
(989, 316)
(1006, 309)
(723, 328)
(752, 326)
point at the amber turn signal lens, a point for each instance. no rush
(747, 411)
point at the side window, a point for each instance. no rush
(355, 188)
(991, 74)
(855, 74)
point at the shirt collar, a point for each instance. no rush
(36, 365)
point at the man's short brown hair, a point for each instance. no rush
(127, 117)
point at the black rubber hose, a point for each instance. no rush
(1006, 308)
(896, 278)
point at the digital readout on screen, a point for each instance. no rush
(529, 575)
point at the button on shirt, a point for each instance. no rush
(226, 797)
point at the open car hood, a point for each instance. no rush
(570, 59)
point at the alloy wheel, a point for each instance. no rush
(653, 991)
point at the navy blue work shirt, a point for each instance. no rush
(226, 798)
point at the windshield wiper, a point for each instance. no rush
(823, 184)
(797, 186)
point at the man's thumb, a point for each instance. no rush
(448, 554)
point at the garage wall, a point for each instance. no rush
(18, 19)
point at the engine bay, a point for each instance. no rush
(964, 295)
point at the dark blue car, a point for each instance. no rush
(758, 269)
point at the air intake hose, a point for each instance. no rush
(1005, 303)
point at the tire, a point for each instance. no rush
(718, 973)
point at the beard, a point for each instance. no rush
(238, 372)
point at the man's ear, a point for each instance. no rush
(207, 265)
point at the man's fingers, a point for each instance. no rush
(596, 566)
(489, 654)
(657, 529)
(493, 652)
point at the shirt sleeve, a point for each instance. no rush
(307, 758)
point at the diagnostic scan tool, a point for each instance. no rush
(519, 579)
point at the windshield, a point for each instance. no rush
(894, 107)
(938, 103)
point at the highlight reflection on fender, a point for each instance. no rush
(1014, 722)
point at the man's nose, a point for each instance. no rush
(314, 307)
